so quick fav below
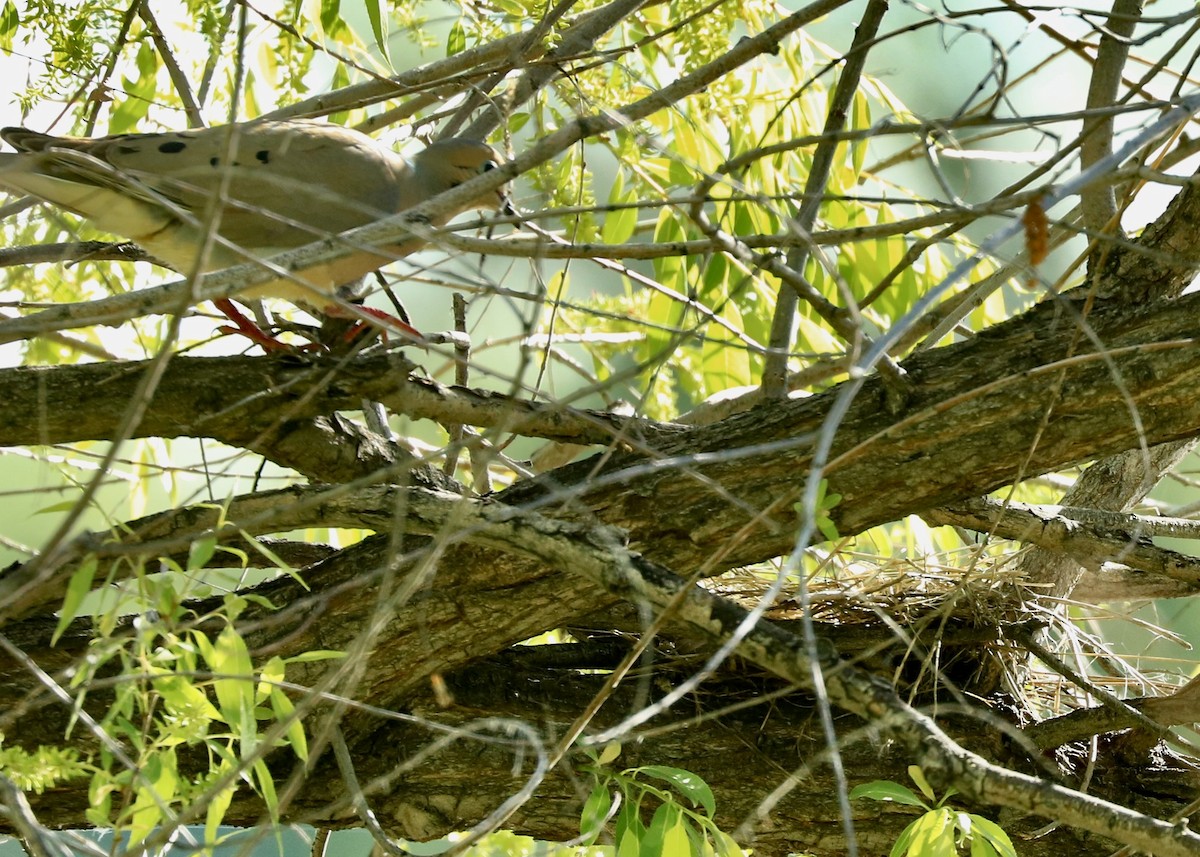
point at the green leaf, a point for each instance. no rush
(904, 840)
(918, 777)
(629, 827)
(266, 788)
(141, 91)
(676, 842)
(725, 362)
(664, 315)
(234, 603)
(377, 14)
(229, 658)
(726, 847)
(933, 835)
(54, 508)
(981, 848)
(685, 782)
(331, 14)
(629, 845)
(274, 558)
(283, 709)
(78, 587)
(100, 794)
(261, 601)
(862, 119)
(595, 813)
(670, 270)
(620, 222)
(183, 698)
(200, 552)
(610, 752)
(994, 834)
(315, 655)
(887, 790)
(665, 817)
(9, 21)
(155, 788)
(240, 556)
(456, 42)
(269, 677)
(217, 807)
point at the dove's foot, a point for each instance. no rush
(243, 326)
(379, 322)
(382, 321)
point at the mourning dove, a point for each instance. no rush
(281, 184)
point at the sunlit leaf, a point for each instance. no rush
(215, 813)
(377, 15)
(933, 835)
(283, 710)
(676, 842)
(10, 19)
(331, 14)
(986, 829)
(229, 659)
(918, 777)
(610, 753)
(266, 788)
(887, 790)
(665, 817)
(456, 41)
(621, 220)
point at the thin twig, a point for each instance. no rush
(183, 87)
(774, 376)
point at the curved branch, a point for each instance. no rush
(258, 402)
(1091, 537)
(73, 252)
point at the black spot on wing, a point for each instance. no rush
(263, 155)
(172, 147)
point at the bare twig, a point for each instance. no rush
(775, 368)
(183, 87)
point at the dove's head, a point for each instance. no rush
(449, 163)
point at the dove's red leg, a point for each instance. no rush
(387, 321)
(247, 328)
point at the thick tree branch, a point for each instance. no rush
(256, 403)
(1091, 538)
(73, 252)
(723, 495)
(596, 554)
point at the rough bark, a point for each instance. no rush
(976, 420)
